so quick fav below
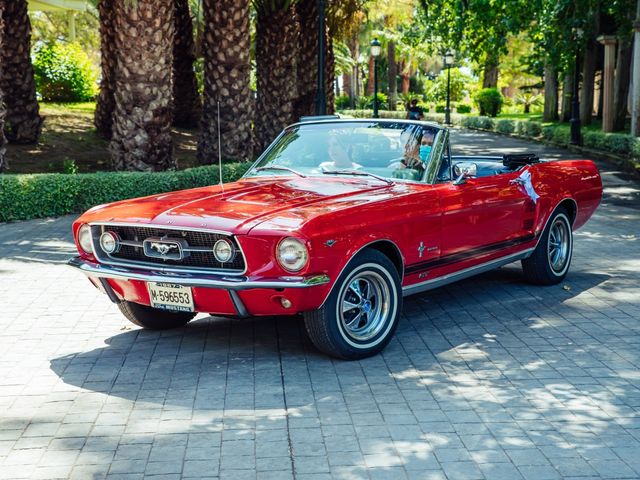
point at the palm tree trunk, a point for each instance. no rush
(143, 108)
(330, 74)
(226, 46)
(186, 100)
(276, 43)
(3, 140)
(307, 58)
(370, 78)
(23, 123)
(392, 75)
(105, 104)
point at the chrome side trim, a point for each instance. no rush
(467, 272)
(98, 270)
(135, 264)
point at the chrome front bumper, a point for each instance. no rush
(231, 283)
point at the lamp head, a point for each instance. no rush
(376, 47)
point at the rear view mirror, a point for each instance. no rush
(464, 170)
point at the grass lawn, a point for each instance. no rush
(68, 134)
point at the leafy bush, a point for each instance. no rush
(561, 135)
(52, 194)
(533, 129)
(362, 102)
(64, 73)
(463, 108)
(382, 101)
(547, 132)
(489, 101)
(593, 139)
(441, 108)
(342, 102)
(485, 123)
(505, 126)
(619, 143)
(470, 122)
(521, 128)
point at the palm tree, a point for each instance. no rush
(143, 90)
(23, 123)
(103, 118)
(307, 53)
(226, 47)
(186, 100)
(3, 140)
(276, 44)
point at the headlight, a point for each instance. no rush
(110, 242)
(84, 238)
(223, 251)
(292, 254)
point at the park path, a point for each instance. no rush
(488, 378)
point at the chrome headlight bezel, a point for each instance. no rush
(292, 254)
(221, 246)
(112, 237)
(84, 239)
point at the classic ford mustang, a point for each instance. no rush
(337, 220)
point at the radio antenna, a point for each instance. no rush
(219, 150)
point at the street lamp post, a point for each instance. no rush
(448, 62)
(321, 97)
(376, 48)
(575, 101)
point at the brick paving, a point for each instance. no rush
(488, 378)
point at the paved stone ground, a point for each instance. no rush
(488, 378)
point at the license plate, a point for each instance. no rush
(169, 296)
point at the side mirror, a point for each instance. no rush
(464, 170)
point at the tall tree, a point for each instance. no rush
(105, 104)
(392, 77)
(550, 113)
(23, 123)
(623, 12)
(3, 141)
(276, 43)
(226, 45)
(186, 100)
(477, 28)
(141, 137)
(307, 58)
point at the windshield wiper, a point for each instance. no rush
(357, 173)
(285, 169)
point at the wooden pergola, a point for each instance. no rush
(69, 6)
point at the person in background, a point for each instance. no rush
(414, 112)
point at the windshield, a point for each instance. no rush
(391, 150)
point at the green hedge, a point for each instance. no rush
(23, 197)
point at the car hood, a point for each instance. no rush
(285, 203)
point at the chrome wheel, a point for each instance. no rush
(558, 245)
(364, 305)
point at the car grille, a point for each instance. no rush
(198, 244)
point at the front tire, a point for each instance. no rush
(154, 318)
(549, 262)
(361, 314)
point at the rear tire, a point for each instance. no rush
(361, 314)
(549, 262)
(154, 318)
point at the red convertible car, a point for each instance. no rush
(337, 220)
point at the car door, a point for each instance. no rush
(483, 216)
